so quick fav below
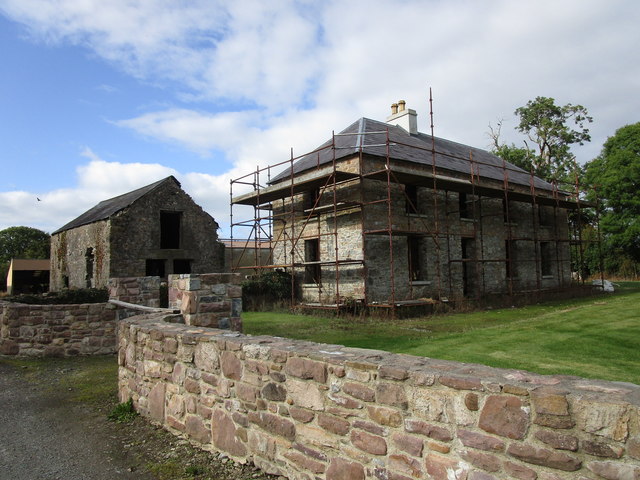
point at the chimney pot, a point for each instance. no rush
(401, 105)
(394, 108)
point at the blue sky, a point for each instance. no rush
(99, 98)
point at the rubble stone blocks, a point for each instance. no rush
(208, 300)
(296, 409)
(57, 330)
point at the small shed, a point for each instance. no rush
(28, 275)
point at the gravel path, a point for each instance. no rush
(44, 437)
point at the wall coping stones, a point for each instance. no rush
(373, 414)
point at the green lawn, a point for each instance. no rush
(596, 337)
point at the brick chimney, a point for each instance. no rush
(403, 117)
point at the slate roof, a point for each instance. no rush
(371, 136)
(110, 207)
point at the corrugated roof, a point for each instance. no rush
(371, 136)
(107, 208)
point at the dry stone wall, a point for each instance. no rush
(57, 330)
(311, 411)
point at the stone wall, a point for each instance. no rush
(312, 411)
(81, 258)
(129, 242)
(208, 300)
(57, 330)
(465, 257)
(144, 291)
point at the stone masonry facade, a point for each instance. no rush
(475, 252)
(57, 330)
(313, 412)
(129, 243)
(90, 329)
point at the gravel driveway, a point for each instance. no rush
(45, 437)
(47, 433)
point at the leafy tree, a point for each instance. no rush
(551, 128)
(614, 180)
(21, 242)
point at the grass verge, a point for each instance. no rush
(594, 337)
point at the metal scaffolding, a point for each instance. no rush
(281, 221)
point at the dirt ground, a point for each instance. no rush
(47, 433)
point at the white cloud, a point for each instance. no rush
(99, 180)
(285, 74)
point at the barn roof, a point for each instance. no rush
(110, 207)
(370, 136)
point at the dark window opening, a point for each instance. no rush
(89, 259)
(546, 259)
(311, 199)
(465, 205)
(155, 268)
(467, 246)
(510, 265)
(506, 213)
(181, 266)
(545, 216)
(416, 270)
(312, 254)
(170, 229)
(411, 200)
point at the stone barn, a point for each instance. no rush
(155, 230)
(384, 215)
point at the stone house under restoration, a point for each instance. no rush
(382, 214)
(155, 230)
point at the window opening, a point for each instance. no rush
(155, 268)
(416, 270)
(311, 199)
(89, 260)
(510, 264)
(545, 259)
(465, 205)
(181, 266)
(170, 229)
(312, 254)
(411, 200)
(467, 246)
